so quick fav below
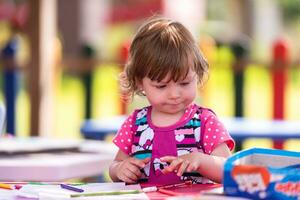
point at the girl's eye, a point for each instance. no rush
(160, 86)
(184, 83)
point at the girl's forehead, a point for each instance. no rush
(191, 74)
(167, 71)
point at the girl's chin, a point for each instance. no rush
(173, 109)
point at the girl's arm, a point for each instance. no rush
(126, 168)
(210, 166)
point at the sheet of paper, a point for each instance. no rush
(7, 194)
(140, 196)
(51, 192)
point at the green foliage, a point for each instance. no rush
(290, 10)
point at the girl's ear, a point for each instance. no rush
(140, 89)
(139, 85)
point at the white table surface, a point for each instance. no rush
(92, 159)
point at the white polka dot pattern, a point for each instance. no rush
(214, 132)
(123, 138)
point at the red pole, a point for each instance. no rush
(279, 78)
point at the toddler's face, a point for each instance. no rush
(171, 97)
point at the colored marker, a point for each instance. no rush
(156, 188)
(104, 193)
(17, 186)
(5, 186)
(186, 183)
(72, 188)
(167, 192)
(150, 189)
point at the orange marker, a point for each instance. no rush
(186, 183)
(167, 192)
(5, 186)
(164, 189)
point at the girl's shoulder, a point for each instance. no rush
(140, 114)
(203, 110)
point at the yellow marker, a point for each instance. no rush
(5, 186)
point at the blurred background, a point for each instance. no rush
(60, 59)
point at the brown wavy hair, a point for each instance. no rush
(161, 46)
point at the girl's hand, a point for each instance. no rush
(185, 163)
(129, 169)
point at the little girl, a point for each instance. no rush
(173, 139)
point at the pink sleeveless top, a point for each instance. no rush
(198, 130)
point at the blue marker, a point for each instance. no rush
(72, 188)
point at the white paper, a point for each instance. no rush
(55, 192)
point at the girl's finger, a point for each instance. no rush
(135, 172)
(128, 180)
(182, 167)
(175, 164)
(168, 158)
(129, 176)
(191, 167)
(138, 163)
(146, 160)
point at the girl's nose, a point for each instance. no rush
(174, 93)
